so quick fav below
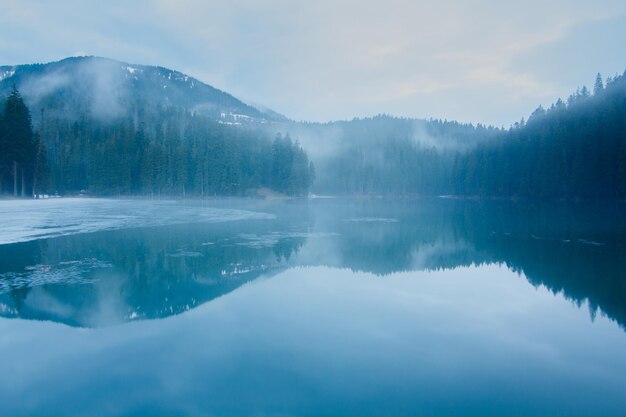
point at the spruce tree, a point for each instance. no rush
(598, 85)
(18, 141)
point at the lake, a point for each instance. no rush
(320, 307)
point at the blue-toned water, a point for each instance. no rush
(315, 308)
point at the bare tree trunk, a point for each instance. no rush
(202, 183)
(37, 154)
(23, 183)
(14, 178)
(35, 182)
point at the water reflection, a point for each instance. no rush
(321, 341)
(320, 308)
(110, 277)
(104, 278)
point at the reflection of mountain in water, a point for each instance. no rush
(110, 277)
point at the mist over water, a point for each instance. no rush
(330, 208)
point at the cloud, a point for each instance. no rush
(473, 61)
(37, 89)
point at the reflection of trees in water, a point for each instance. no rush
(141, 273)
(578, 251)
(157, 272)
(381, 237)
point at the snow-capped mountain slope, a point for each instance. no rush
(108, 88)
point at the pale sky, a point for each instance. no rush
(474, 61)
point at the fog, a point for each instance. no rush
(99, 86)
(266, 207)
(381, 154)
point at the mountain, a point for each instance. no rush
(107, 89)
(111, 128)
(181, 131)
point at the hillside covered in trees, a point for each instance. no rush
(158, 132)
(171, 152)
(105, 88)
(575, 150)
(388, 155)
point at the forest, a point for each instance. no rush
(23, 157)
(573, 151)
(169, 152)
(385, 155)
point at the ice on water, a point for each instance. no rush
(25, 220)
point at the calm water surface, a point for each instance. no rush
(311, 308)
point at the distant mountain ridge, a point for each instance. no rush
(109, 88)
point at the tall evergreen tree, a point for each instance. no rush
(573, 151)
(598, 86)
(19, 147)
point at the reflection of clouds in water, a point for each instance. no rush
(42, 301)
(352, 331)
(109, 305)
(429, 256)
(67, 273)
